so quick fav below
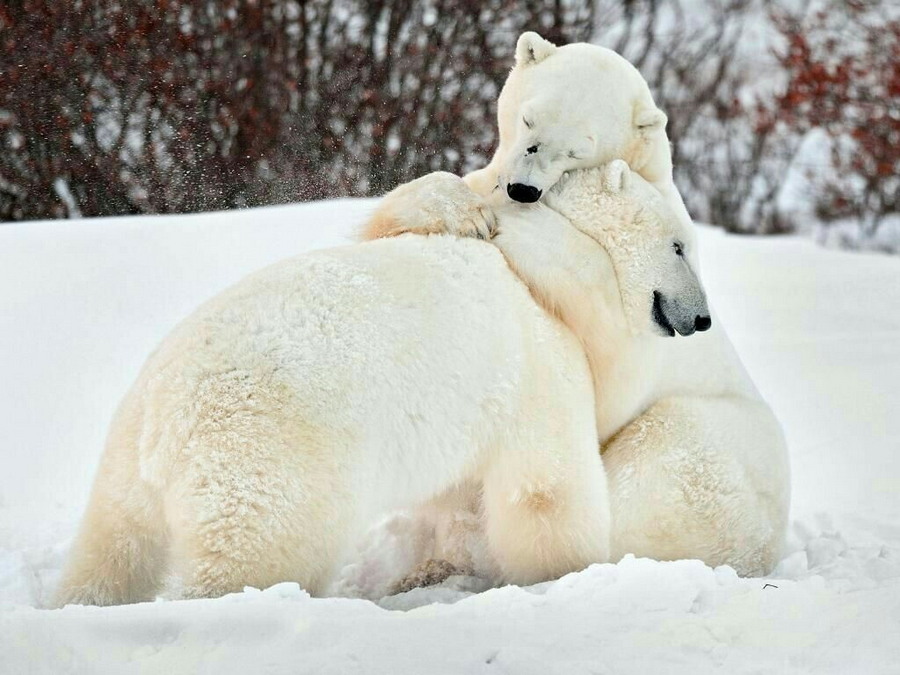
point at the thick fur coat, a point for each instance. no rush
(697, 462)
(561, 109)
(288, 412)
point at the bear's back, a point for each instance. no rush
(431, 340)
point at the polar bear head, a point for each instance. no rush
(649, 248)
(572, 107)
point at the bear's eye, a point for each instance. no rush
(573, 155)
(528, 123)
(679, 249)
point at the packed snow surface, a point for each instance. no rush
(82, 304)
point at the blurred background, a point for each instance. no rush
(784, 116)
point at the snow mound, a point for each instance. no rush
(818, 329)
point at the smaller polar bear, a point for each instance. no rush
(286, 413)
(696, 460)
(561, 108)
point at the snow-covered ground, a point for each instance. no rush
(82, 304)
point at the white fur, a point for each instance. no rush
(581, 105)
(695, 459)
(718, 488)
(290, 410)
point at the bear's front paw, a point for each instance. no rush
(439, 203)
(474, 220)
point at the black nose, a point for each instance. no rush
(702, 323)
(520, 192)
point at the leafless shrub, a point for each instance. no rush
(728, 164)
(744, 82)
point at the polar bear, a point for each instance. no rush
(696, 460)
(285, 413)
(561, 109)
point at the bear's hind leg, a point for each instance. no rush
(119, 554)
(700, 477)
(251, 511)
(117, 558)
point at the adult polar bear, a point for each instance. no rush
(696, 460)
(279, 418)
(562, 108)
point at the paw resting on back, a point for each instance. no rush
(439, 203)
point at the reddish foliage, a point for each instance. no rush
(183, 105)
(851, 90)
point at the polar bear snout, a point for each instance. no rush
(526, 194)
(684, 317)
(702, 323)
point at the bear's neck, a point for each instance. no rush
(571, 277)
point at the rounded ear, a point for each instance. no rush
(650, 119)
(617, 176)
(531, 48)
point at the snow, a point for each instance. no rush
(84, 303)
